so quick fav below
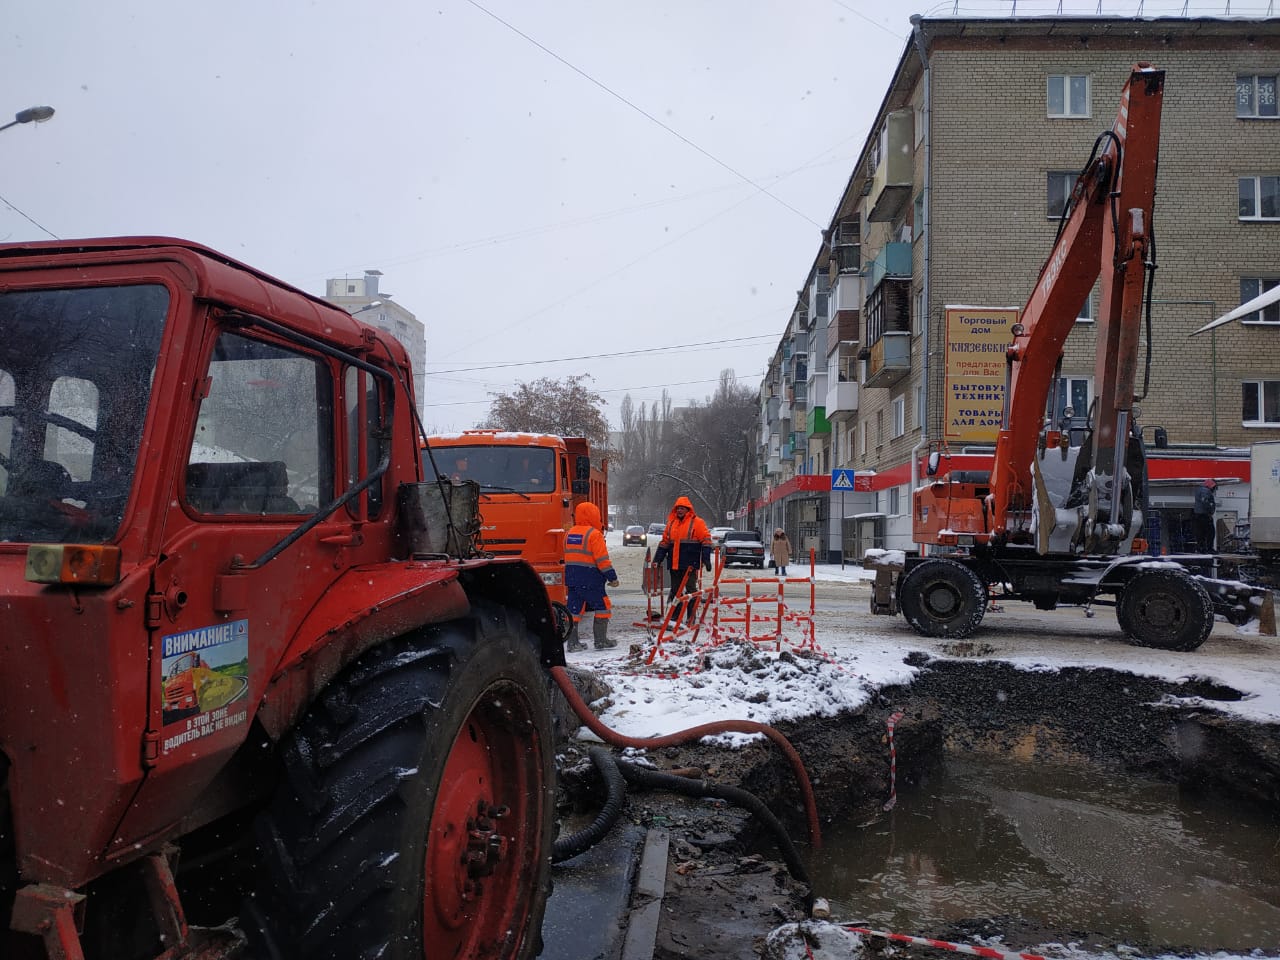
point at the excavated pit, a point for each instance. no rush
(970, 721)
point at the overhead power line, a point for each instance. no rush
(644, 113)
(29, 219)
(605, 356)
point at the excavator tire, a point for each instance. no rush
(942, 598)
(415, 815)
(1166, 609)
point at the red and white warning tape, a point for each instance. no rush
(988, 952)
(893, 762)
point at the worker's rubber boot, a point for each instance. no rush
(600, 631)
(572, 643)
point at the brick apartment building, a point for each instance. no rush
(956, 199)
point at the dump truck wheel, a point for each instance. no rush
(415, 817)
(1166, 609)
(942, 598)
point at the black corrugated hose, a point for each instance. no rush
(645, 777)
(584, 839)
(615, 771)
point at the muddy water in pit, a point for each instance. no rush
(1070, 852)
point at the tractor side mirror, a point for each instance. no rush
(931, 469)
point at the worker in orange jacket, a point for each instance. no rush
(587, 570)
(686, 543)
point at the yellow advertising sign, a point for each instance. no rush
(973, 389)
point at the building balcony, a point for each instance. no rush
(846, 295)
(893, 260)
(890, 359)
(891, 182)
(842, 397)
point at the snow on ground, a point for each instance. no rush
(859, 653)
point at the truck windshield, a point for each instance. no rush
(498, 469)
(75, 377)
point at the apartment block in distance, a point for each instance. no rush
(360, 295)
(956, 199)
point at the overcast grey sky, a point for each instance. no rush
(521, 210)
(536, 179)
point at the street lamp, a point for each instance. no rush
(29, 115)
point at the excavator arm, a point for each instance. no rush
(1107, 233)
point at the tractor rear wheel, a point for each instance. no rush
(415, 815)
(942, 598)
(1167, 609)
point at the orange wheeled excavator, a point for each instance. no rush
(1055, 520)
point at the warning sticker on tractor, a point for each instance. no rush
(205, 674)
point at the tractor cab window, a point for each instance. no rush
(368, 422)
(262, 443)
(76, 368)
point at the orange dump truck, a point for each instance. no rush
(529, 485)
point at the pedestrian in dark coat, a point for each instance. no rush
(1202, 516)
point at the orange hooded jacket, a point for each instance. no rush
(687, 542)
(587, 566)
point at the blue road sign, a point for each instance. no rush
(841, 479)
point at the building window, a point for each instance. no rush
(1256, 95)
(862, 441)
(1251, 287)
(1086, 310)
(899, 416)
(1260, 403)
(1072, 392)
(1068, 95)
(1260, 198)
(879, 428)
(917, 217)
(895, 502)
(1058, 192)
(917, 313)
(351, 288)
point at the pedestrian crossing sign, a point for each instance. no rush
(841, 479)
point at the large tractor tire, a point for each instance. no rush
(1166, 609)
(415, 816)
(942, 598)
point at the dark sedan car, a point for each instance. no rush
(743, 546)
(633, 534)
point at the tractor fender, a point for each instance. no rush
(371, 604)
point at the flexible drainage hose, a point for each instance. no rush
(584, 839)
(643, 776)
(592, 723)
(614, 772)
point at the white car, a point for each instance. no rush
(717, 534)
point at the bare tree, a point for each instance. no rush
(563, 408)
(705, 451)
(713, 448)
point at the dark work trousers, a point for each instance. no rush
(1203, 526)
(690, 583)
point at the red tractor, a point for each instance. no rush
(207, 476)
